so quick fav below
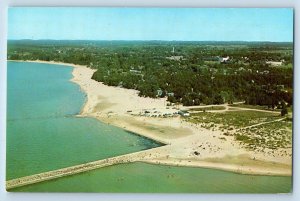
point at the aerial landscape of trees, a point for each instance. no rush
(191, 73)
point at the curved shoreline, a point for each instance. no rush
(110, 105)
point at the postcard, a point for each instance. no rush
(149, 100)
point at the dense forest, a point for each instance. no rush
(191, 73)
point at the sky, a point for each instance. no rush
(181, 24)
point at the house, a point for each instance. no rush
(274, 63)
(176, 58)
(159, 92)
(170, 94)
(224, 59)
(183, 113)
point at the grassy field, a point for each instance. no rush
(231, 120)
(271, 135)
(209, 108)
(258, 107)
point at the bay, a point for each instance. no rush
(43, 132)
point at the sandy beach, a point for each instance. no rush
(186, 144)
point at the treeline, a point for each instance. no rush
(190, 88)
(191, 74)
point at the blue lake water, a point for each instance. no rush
(147, 178)
(42, 132)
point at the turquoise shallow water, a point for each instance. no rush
(142, 177)
(42, 132)
(38, 90)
